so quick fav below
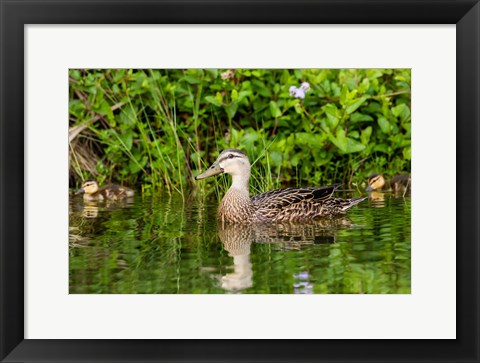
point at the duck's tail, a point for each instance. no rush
(349, 203)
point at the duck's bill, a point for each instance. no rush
(211, 171)
(80, 191)
(369, 189)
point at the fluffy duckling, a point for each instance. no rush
(91, 191)
(400, 184)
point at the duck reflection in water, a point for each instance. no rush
(377, 199)
(237, 240)
(92, 209)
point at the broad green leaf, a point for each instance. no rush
(213, 72)
(384, 125)
(396, 140)
(193, 79)
(276, 158)
(242, 95)
(76, 108)
(75, 74)
(340, 140)
(235, 136)
(136, 165)
(127, 139)
(354, 146)
(260, 88)
(335, 89)
(219, 97)
(105, 109)
(308, 139)
(231, 110)
(295, 160)
(213, 100)
(326, 85)
(298, 108)
(354, 134)
(127, 117)
(357, 117)
(323, 159)
(365, 135)
(249, 138)
(332, 114)
(372, 107)
(325, 125)
(344, 96)
(408, 127)
(234, 95)
(402, 111)
(244, 72)
(374, 73)
(275, 110)
(307, 125)
(382, 148)
(356, 104)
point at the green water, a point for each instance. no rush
(163, 245)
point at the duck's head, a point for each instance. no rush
(230, 161)
(88, 187)
(375, 182)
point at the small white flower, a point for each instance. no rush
(305, 86)
(299, 92)
(227, 74)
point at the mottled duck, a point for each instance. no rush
(280, 205)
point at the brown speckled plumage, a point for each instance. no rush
(281, 205)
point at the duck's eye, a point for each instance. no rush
(230, 156)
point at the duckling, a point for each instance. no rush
(91, 191)
(400, 184)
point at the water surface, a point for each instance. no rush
(163, 245)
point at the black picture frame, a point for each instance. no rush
(16, 14)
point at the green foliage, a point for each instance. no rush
(159, 128)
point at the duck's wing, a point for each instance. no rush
(280, 198)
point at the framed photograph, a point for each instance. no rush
(304, 229)
(119, 123)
